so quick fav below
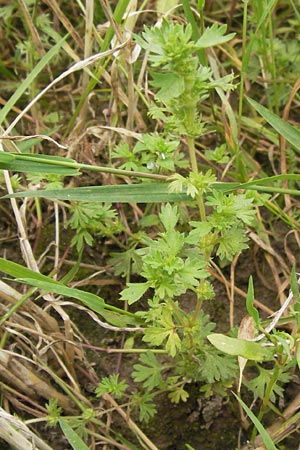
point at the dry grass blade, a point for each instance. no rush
(33, 385)
(12, 296)
(80, 65)
(65, 21)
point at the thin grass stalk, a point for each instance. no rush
(107, 41)
(131, 425)
(273, 64)
(64, 20)
(18, 435)
(268, 392)
(57, 240)
(244, 64)
(36, 45)
(129, 25)
(117, 18)
(16, 306)
(25, 246)
(88, 48)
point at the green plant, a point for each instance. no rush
(187, 219)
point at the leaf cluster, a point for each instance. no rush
(169, 264)
(182, 83)
(228, 216)
(111, 385)
(261, 382)
(154, 153)
(89, 219)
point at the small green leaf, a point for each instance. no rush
(216, 367)
(240, 347)
(169, 217)
(111, 385)
(178, 395)
(173, 344)
(74, 440)
(54, 412)
(149, 373)
(170, 86)
(214, 35)
(147, 409)
(250, 303)
(201, 230)
(134, 292)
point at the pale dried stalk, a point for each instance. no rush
(130, 423)
(17, 374)
(65, 21)
(24, 242)
(88, 48)
(97, 320)
(80, 65)
(18, 435)
(12, 296)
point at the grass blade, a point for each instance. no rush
(263, 433)
(290, 133)
(124, 193)
(74, 440)
(27, 82)
(115, 315)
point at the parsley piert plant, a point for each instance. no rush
(174, 264)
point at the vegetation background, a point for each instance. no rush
(149, 228)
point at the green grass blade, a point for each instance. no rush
(248, 49)
(92, 301)
(18, 271)
(27, 82)
(117, 16)
(295, 10)
(263, 433)
(11, 161)
(124, 193)
(150, 192)
(191, 19)
(74, 440)
(290, 133)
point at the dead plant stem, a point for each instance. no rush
(132, 425)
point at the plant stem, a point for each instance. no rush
(244, 63)
(192, 152)
(131, 425)
(76, 165)
(266, 398)
(196, 311)
(177, 312)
